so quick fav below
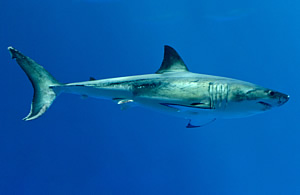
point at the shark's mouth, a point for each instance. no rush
(266, 105)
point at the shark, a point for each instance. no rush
(172, 89)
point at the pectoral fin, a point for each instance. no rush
(199, 123)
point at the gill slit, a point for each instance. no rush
(218, 94)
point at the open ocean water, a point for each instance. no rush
(90, 146)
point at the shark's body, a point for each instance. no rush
(172, 89)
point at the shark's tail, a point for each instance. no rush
(41, 81)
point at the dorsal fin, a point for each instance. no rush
(172, 62)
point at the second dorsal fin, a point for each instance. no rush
(172, 62)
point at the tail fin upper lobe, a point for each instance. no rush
(41, 81)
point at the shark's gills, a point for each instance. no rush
(41, 81)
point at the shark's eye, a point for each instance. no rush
(271, 93)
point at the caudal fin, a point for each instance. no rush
(41, 81)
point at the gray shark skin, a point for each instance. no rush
(173, 89)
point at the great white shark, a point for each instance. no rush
(173, 89)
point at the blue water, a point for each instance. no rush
(90, 146)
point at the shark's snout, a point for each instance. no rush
(273, 99)
(283, 98)
(280, 98)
